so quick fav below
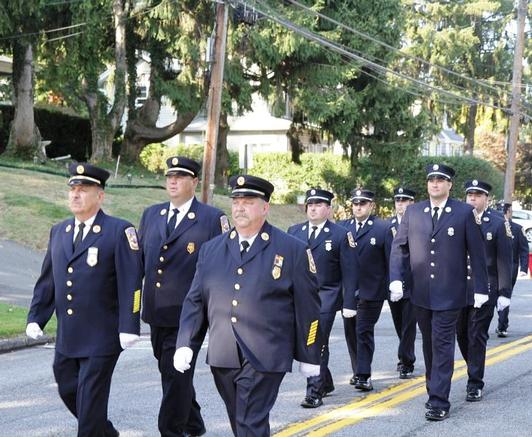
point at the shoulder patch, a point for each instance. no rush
(311, 264)
(224, 224)
(509, 229)
(132, 238)
(351, 240)
(477, 217)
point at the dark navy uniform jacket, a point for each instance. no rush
(498, 247)
(438, 258)
(170, 263)
(520, 250)
(373, 249)
(407, 282)
(95, 290)
(334, 253)
(266, 301)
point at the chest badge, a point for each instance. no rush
(450, 231)
(373, 241)
(351, 240)
(394, 231)
(277, 266)
(489, 236)
(328, 245)
(191, 247)
(92, 256)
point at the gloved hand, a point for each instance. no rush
(502, 303)
(396, 291)
(522, 274)
(348, 314)
(480, 299)
(33, 330)
(127, 340)
(309, 370)
(182, 359)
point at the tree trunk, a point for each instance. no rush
(105, 124)
(24, 136)
(222, 154)
(470, 127)
(296, 147)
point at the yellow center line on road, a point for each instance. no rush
(378, 402)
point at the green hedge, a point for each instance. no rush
(153, 157)
(68, 134)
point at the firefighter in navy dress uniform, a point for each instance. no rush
(519, 264)
(473, 323)
(171, 235)
(373, 242)
(433, 241)
(333, 250)
(402, 311)
(256, 287)
(91, 277)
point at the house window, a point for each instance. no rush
(142, 96)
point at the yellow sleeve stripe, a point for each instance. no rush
(312, 333)
(136, 301)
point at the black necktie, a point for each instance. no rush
(79, 236)
(359, 227)
(245, 245)
(170, 226)
(435, 216)
(313, 234)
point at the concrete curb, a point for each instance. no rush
(21, 342)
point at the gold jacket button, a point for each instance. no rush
(233, 319)
(431, 276)
(432, 264)
(237, 286)
(69, 297)
(70, 270)
(240, 271)
(69, 283)
(433, 241)
(160, 272)
(158, 284)
(165, 247)
(161, 258)
(235, 303)
(70, 311)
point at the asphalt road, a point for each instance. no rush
(30, 406)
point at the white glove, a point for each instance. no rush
(128, 340)
(348, 314)
(33, 330)
(309, 370)
(396, 291)
(182, 359)
(522, 274)
(480, 299)
(502, 303)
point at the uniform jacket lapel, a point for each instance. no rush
(187, 222)
(260, 243)
(92, 236)
(67, 237)
(324, 233)
(445, 216)
(366, 228)
(162, 220)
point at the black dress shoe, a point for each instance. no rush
(326, 390)
(474, 395)
(501, 333)
(399, 366)
(353, 380)
(436, 414)
(364, 384)
(406, 372)
(428, 405)
(311, 402)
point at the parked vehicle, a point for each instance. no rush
(524, 218)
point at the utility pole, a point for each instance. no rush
(513, 135)
(214, 103)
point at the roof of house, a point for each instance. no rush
(449, 135)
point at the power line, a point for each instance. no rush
(338, 48)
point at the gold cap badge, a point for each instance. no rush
(241, 180)
(175, 161)
(80, 169)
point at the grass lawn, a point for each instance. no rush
(31, 202)
(14, 321)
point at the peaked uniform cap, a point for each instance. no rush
(82, 173)
(182, 165)
(250, 186)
